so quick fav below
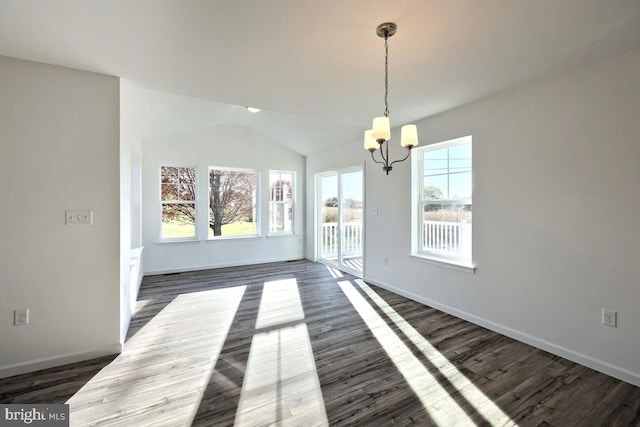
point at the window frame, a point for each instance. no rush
(293, 202)
(256, 202)
(194, 202)
(419, 202)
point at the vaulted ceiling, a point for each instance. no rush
(316, 68)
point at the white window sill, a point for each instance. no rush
(232, 238)
(445, 262)
(177, 240)
(277, 236)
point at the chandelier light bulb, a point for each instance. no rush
(381, 129)
(370, 143)
(409, 136)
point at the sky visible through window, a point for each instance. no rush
(351, 186)
(449, 170)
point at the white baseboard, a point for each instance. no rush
(598, 365)
(221, 265)
(59, 360)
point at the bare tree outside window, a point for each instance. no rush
(178, 200)
(232, 202)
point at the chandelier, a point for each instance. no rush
(380, 133)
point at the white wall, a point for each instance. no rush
(59, 148)
(556, 210)
(227, 146)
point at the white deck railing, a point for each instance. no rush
(352, 239)
(450, 237)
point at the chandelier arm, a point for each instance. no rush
(377, 161)
(386, 159)
(402, 160)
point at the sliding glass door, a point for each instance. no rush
(340, 199)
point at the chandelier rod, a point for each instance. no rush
(386, 74)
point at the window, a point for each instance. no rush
(281, 191)
(178, 200)
(232, 202)
(443, 190)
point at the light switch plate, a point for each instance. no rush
(609, 318)
(21, 317)
(79, 217)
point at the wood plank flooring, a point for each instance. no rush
(328, 349)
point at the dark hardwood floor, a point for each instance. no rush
(297, 343)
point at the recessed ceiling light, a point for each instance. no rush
(253, 109)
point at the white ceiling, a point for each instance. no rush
(316, 67)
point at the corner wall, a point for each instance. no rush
(59, 150)
(130, 206)
(556, 210)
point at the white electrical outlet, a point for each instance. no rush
(609, 318)
(386, 260)
(79, 217)
(21, 317)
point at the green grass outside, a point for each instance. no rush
(177, 230)
(237, 229)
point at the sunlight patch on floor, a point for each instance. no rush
(334, 272)
(485, 406)
(165, 367)
(442, 408)
(355, 263)
(281, 385)
(280, 303)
